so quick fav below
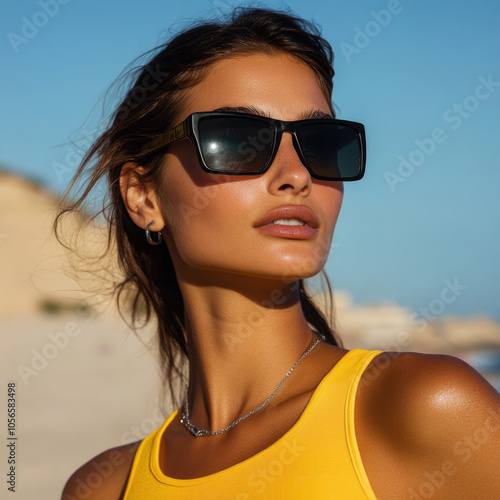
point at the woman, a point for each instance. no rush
(225, 165)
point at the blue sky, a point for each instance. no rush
(423, 76)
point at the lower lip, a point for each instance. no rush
(291, 232)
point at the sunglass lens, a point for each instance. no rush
(235, 144)
(331, 151)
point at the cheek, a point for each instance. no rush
(188, 190)
(337, 205)
(201, 211)
(332, 195)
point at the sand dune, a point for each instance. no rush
(33, 265)
(83, 384)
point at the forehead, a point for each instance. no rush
(278, 85)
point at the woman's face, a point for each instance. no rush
(220, 223)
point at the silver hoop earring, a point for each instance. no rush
(148, 235)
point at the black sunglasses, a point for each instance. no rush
(246, 144)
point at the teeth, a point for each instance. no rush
(289, 222)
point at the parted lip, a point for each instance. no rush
(300, 212)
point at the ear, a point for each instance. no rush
(139, 198)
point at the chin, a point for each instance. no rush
(290, 273)
(301, 266)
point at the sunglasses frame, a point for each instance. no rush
(189, 128)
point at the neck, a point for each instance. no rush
(241, 345)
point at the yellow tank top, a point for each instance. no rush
(318, 458)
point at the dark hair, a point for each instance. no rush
(150, 107)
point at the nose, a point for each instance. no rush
(287, 173)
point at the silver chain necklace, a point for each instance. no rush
(186, 422)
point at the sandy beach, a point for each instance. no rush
(83, 385)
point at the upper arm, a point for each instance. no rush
(438, 423)
(104, 477)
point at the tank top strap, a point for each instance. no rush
(364, 358)
(144, 462)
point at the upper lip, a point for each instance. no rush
(300, 212)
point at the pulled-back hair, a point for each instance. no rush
(152, 103)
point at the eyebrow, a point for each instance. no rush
(316, 115)
(243, 109)
(307, 115)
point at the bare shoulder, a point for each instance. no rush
(433, 413)
(421, 385)
(103, 477)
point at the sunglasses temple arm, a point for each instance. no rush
(163, 140)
